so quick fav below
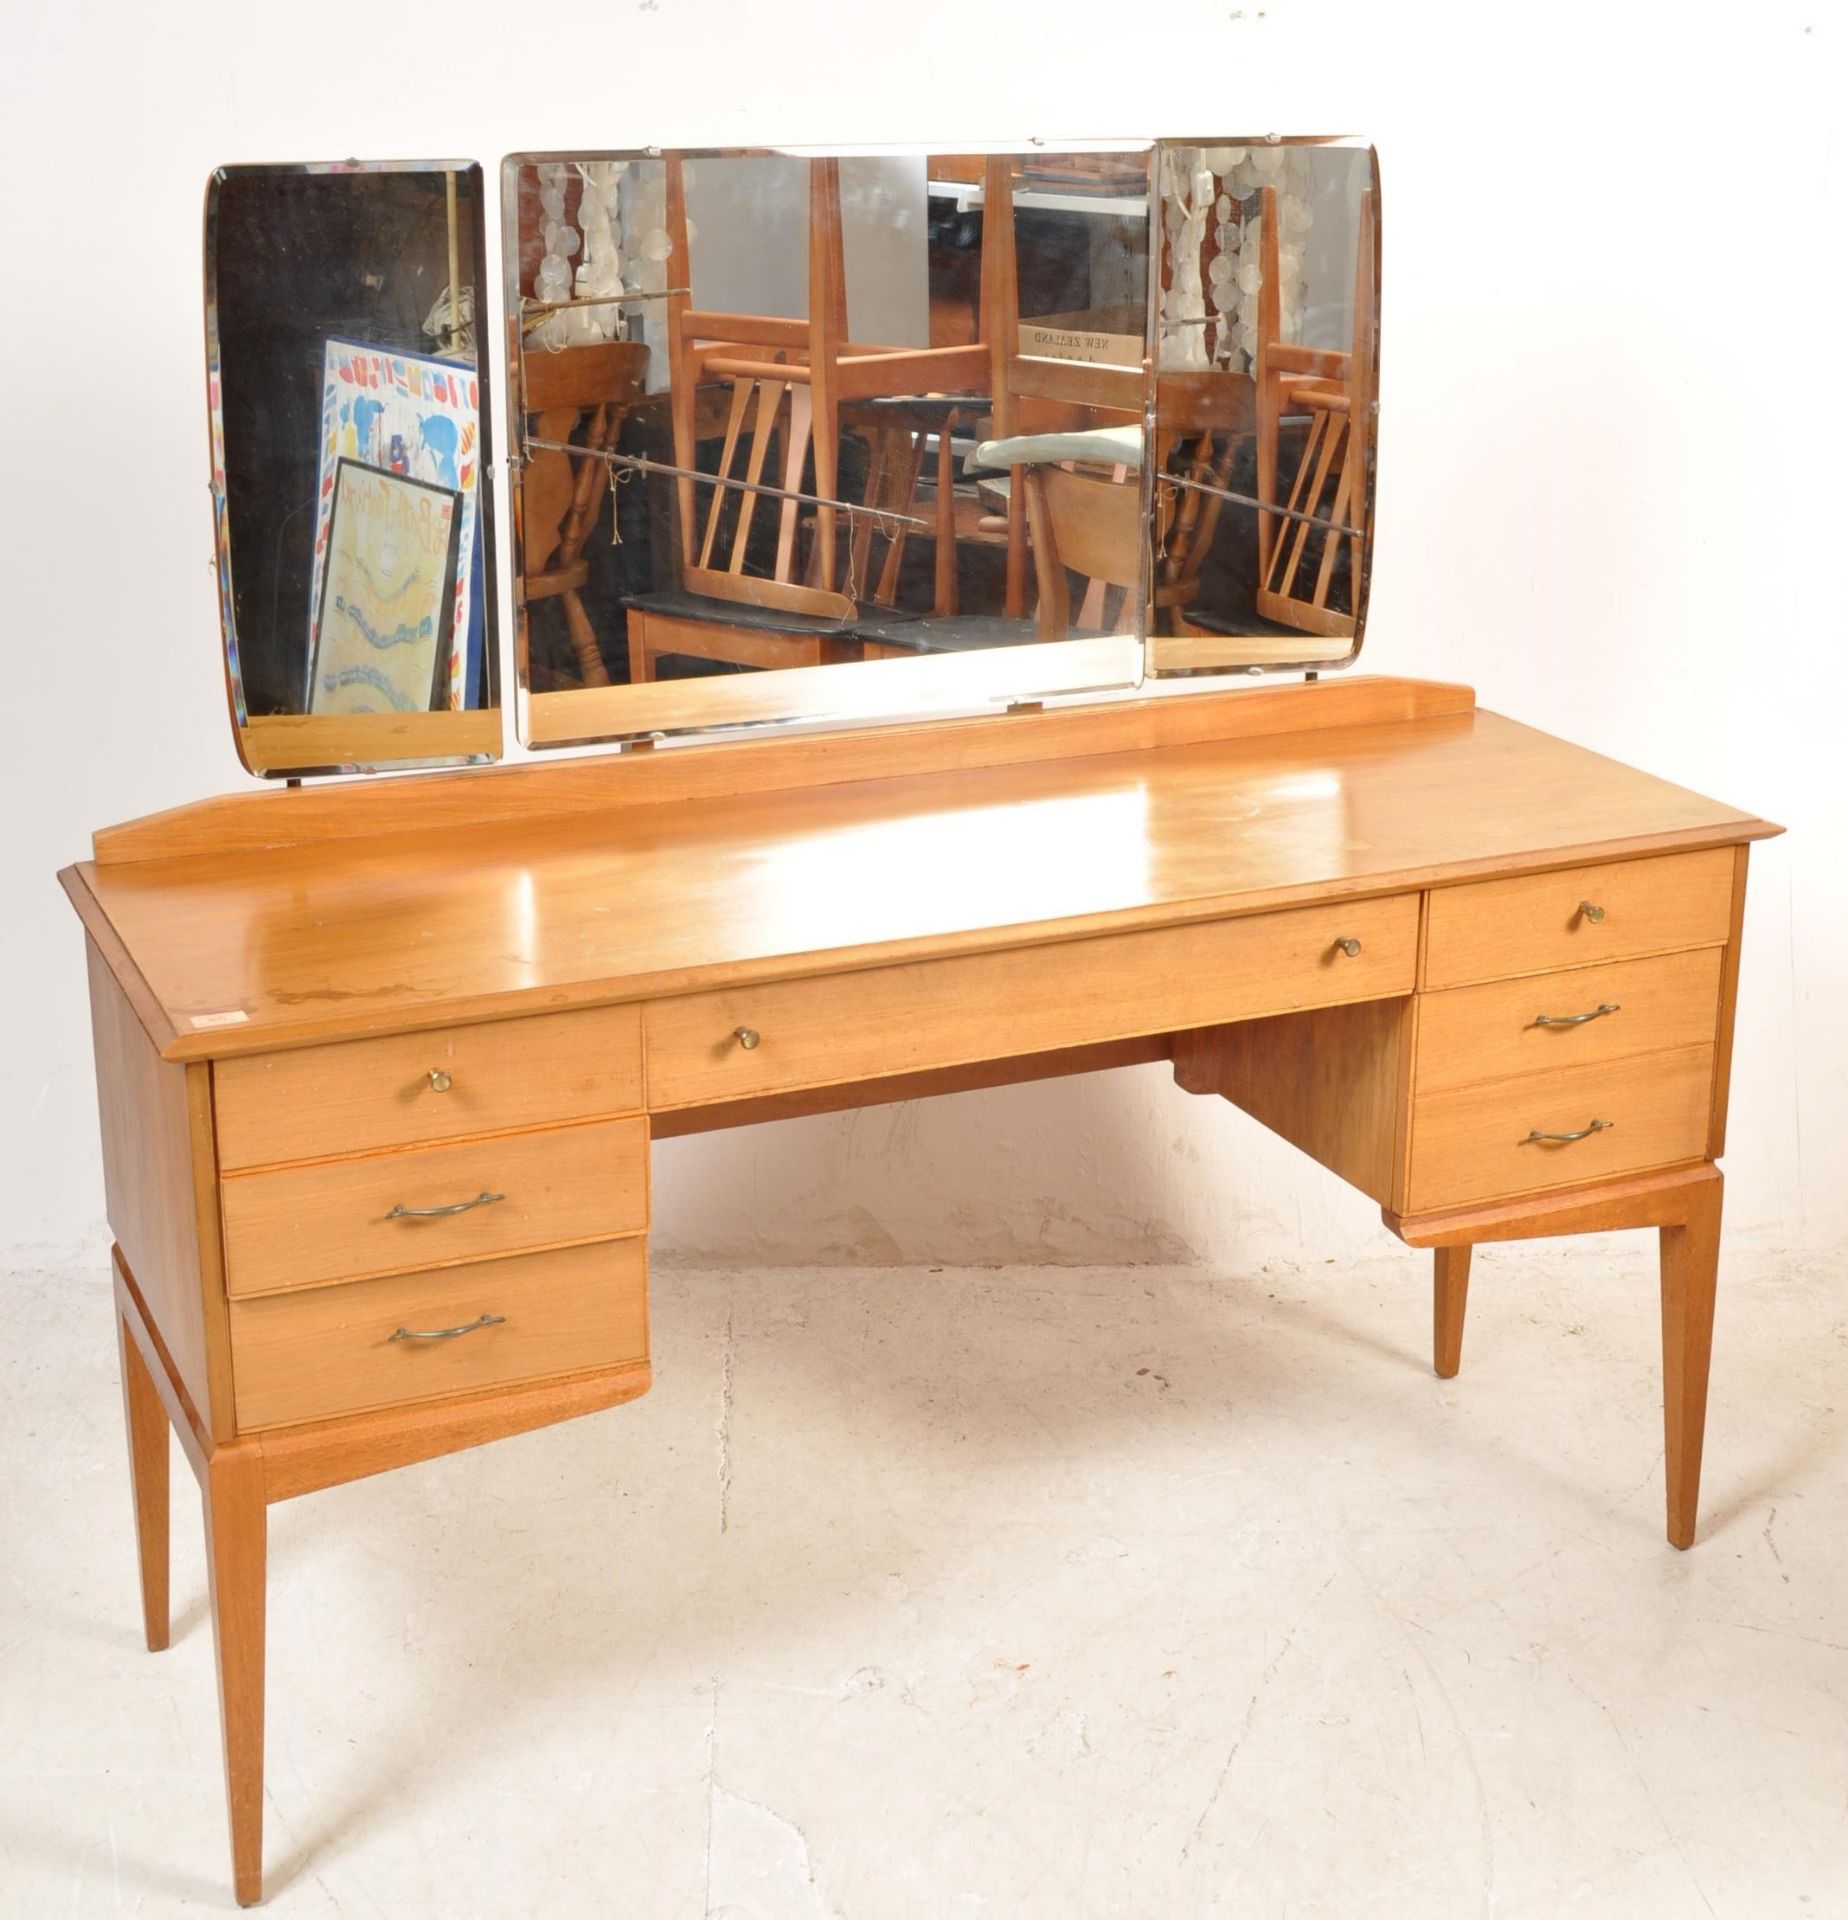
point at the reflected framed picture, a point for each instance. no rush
(418, 417)
(386, 616)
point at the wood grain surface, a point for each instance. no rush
(407, 930)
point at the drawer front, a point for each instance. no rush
(309, 1356)
(1500, 928)
(1471, 1144)
(410, 1087)
(943, 1013)
(1467, 1035)
(334, 1220)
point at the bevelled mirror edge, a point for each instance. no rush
(281, 444)
(1266, 429)
(878, 686)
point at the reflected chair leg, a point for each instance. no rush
(148, 1450)
(641, 659)
(1055, 609)
(589, 656)
(236, 1538)
(1449, 1299)
(1690, 1270)
(947, 596)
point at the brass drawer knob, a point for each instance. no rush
(1588, 912)
(1566, 1139)
(747, 1037)
(451, 1333)
(1349, 945)
(440, 1082)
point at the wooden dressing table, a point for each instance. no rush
(380, 1065)
(377, 1093)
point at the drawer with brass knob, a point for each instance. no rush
(363, 1215)
(745, 1041)
(425, 1335)
(1578, 917)
(413, 1087)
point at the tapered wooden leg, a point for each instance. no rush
(1690, 1268)
(236, 1540)
(1449, 1299)
(148, 1450)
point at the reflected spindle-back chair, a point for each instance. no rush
(787, 379)
(1332, 390)
(589, 389)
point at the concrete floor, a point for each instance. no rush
(1026, 1592)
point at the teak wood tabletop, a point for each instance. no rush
(477, 915)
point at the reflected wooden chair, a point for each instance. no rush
(1064, 521)
(789, 380)
(1203, 417)
(899, 435)
(786, 382)
(1064, 427)
(579, 394)
(1332, 391)
(1085, 516)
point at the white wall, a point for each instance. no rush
(1593, 505)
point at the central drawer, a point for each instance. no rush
(422, 1336)
(378, 1213)
(817, 1032)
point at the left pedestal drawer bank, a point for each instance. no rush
(429, 1214)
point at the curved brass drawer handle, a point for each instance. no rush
(1577, 1019)
(402, 1212)
(1565, 1139)
(451, 1333)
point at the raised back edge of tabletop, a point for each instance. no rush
(276, 817)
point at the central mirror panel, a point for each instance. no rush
(811, 436)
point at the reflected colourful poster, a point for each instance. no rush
(417, 418)
(387, 603)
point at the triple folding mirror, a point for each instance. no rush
(793, 436)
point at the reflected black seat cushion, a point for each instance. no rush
(674, 603)
(888, 626)
(943, 632)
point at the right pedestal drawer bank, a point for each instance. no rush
(1567, 1027)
